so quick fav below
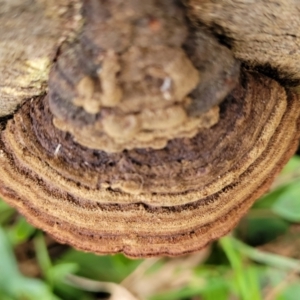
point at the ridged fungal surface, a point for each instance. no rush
(125, 154)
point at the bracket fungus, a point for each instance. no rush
(152, 140)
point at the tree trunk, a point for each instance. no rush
(262, 34)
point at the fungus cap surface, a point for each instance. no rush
(146, 202)
(151, 141)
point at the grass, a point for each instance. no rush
(260, 260)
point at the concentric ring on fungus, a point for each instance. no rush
(187, 167)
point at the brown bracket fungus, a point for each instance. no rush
(152, 140)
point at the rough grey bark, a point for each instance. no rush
(261, 33)
(31, 32)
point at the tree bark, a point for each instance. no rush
(31, 32)
(262, 34)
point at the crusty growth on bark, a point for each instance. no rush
(151, 140)
(128, 82)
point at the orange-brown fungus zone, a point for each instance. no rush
(151, 141)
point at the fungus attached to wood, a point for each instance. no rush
(151, 141)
